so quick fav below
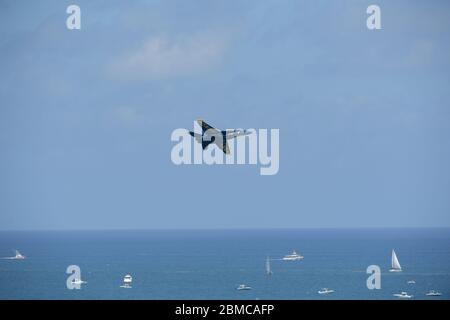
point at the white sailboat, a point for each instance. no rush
(268, 269)
(17, 256)
(395, 264)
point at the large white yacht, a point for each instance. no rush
(293, 256)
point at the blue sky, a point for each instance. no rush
(86, 115)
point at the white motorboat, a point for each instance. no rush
(403, 295)
(243, 287)
(78, 281)
(433, 293)
(127, 280)
(325, 291)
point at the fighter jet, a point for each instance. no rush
(219, 138)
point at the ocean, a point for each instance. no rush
(210, 264)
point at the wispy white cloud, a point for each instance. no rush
(164, 57)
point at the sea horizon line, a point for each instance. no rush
(225, 229)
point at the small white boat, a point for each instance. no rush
(293, 256)
(268, 269)
(127, 280)
(78, 281)
(243, 287)
(403, 295)
(325, 291)
(433, 293)
(17, 256)
(395, 264)
(411, 282)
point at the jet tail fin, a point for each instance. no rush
(206, 127)
(213, 132)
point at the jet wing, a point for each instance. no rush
(222, 146)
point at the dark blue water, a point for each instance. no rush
(210, 264)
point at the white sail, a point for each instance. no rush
(268, 270)
(18, 255)
(395, 264)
